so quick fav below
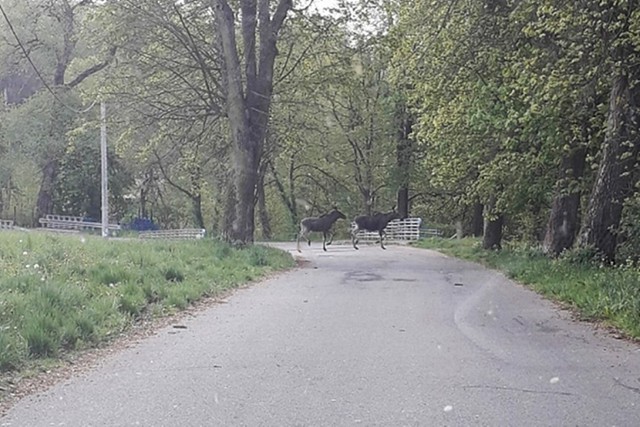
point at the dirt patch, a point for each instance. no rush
(302, 262)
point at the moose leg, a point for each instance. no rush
(382, 233)
(330, 233)
(303, 234)
(354, 237)
(324, 239)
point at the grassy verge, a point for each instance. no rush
(63, 293)
(598, 293)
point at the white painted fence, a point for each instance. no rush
(67, 222)
(398, 230)
(6, 224)
(182, 233)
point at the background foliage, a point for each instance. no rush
(505, 108)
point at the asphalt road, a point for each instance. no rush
(402, 337)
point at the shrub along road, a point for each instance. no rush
(371, 337)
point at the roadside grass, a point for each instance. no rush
(596, 293)
(63, 293)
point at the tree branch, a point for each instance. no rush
(92, 70)
(279, 15)
(166, 176)
(81, 3)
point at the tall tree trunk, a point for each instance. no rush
(8, 197)
(404, 151)
(143, 203)
(493, 223)
(492, 239)
(61, 118)
(193, 192)
(145, 189)
(293, 205)
(262, 202)
(196, 208)
(616, 178)
(262, 211)
(368, 200)
(44, 203)
(196, 195)
(247, 107)
(228, 214)
(477, 220)
(402, 205)
(60, 121)
(563, 223)
(289, 200)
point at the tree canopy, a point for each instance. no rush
(516, 118)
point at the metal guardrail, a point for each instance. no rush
(67, 222)
(6, 224)
(431, 232)
(396, 231)
(180, 233)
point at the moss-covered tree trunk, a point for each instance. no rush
(616, 175)
(493, 223)
(563, 223)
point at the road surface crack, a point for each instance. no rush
(522, 390)
(628, 387)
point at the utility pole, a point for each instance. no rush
(103, 174)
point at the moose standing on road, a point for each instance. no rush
(377, 222)
(322, 224)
